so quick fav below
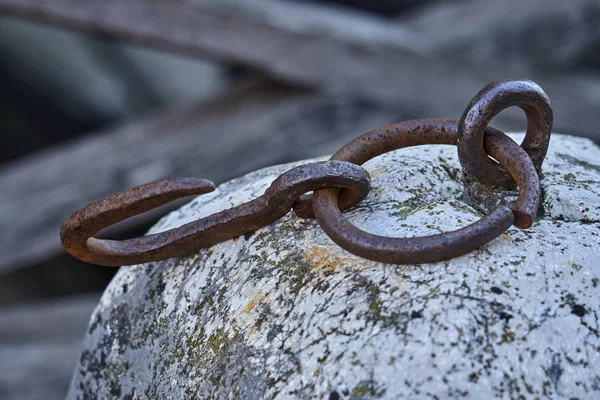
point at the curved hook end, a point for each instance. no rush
(100, 214)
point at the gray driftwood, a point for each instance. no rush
(39, 346)
(519, 36)
(217, 140)
(343, 52)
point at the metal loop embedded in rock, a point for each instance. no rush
(436, 247)
(77, 232)
(490, 101)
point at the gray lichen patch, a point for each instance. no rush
(285, 313)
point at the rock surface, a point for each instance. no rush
(284, 313)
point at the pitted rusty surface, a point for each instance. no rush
(77, 231)
(435, 247)
(490, 101)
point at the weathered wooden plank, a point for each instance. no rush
(520, 36)
(336, 51)
(340, 53)
(243, 130)
(39, 346)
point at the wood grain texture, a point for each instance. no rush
(243, 130)
(39, 346)
(336, 51)
(344, 55)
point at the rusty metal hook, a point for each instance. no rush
(77, 232)
(443, 246)
(486, 104)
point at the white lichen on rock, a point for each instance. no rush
(285, 313)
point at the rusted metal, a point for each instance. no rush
(341, 183)
(441, 246)
(77, 232)
(490, 101)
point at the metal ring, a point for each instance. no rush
(490, 101)
(436, 247)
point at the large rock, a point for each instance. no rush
(285, 313)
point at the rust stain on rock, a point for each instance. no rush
(249, 307)
(252, 303)
(322, 258)
(376, 171)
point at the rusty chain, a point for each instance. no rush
(341, 183)
(77, 231)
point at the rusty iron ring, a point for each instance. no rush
(436, 247)
(486, 104)
(77, 232)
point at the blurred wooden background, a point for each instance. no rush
(101, 96)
